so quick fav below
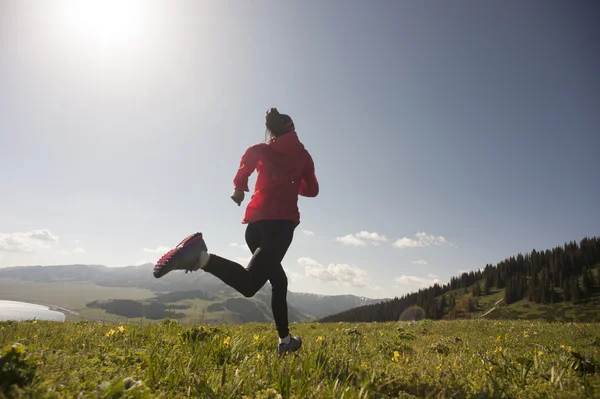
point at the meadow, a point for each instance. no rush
(460, 358)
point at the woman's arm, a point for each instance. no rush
(247, 167)
(309, 185)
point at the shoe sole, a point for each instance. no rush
(186, 251)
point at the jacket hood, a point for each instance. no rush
(288, 144)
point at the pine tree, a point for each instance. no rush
(537, 296)
(567, 290)
(486, 286)
(442, 306)
(531, 287)
(508, 293)
(588, 282)
(576, 292)
(544, 289)
(476, 291)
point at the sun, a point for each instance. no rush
(106, 25)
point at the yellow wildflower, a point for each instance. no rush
(256, 338)
(110, 333)
(363, 364)
(396, 356)
(259, 357)
(562, 347)
(227, 341)
(121, 329)
(438, 368)
(319, 339)
(490, 369)
(540, 353)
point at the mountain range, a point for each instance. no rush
(171, 295)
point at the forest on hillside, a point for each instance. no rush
(564, 273)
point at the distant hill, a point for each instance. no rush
(176, 292)
(561, 284)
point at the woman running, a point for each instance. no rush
(285, 170)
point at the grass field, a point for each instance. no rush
(463, 358)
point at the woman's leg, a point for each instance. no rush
(279, 283)
(243, 279)
(273, 238)
(279, 286)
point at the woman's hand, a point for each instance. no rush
(238, 197)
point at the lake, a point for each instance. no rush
(18, 311)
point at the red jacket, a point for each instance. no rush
(285, 170)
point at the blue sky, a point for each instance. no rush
(451, 134)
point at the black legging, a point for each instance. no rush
(269, 241)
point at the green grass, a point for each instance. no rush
(486, 302)
(560, 311)
(464, 358)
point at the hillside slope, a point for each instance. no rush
(558, 284)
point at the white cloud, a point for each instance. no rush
(349, 274)
(421, 240)
(464, 271)
(308, 233)
(237, 245)
(158, 251)
(351, 240)
(420, 262)
(314, 269)
(305, 261)
(360, 239)
(431, 275)
(372, 236)
(63, 253)
(344, 273)
(418, 281)
(406, 243)
(79, 250)
(27, 241)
